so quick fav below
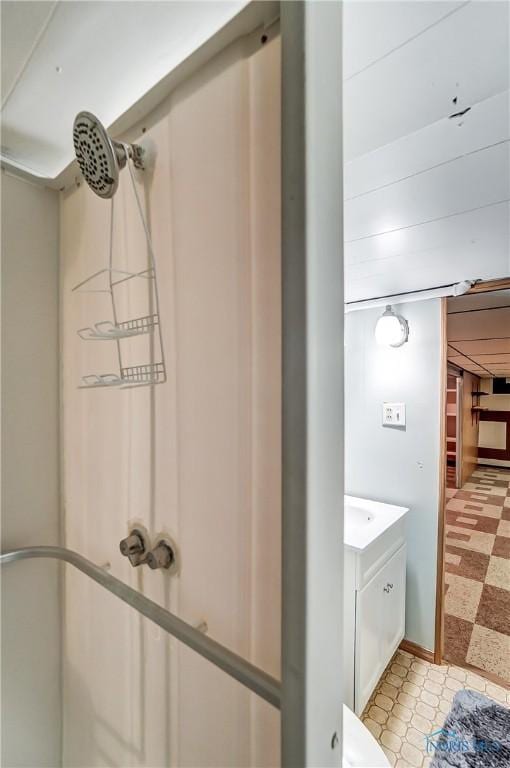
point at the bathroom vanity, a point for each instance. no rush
(374, 593)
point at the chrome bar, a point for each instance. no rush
(247, 674)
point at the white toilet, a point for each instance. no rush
(361, 750)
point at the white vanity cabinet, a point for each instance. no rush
(374, 602)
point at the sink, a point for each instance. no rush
(365, 520)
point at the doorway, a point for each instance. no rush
(476, 516)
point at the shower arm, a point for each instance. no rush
(247, 674)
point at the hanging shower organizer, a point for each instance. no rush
(115, 330)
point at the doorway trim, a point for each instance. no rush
(484, 286)
(487, 286)
(438, 634)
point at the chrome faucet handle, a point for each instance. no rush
(162, 555)
(134, 547)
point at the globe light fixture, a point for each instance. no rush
(391, 330)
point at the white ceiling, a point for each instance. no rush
(478, 330)
(62, 57)
(427, 195)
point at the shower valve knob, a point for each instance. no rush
(134, 547)
(162, 556)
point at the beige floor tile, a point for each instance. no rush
(496, 692)
(402, 712)
(478, 540)
(429, 698)
(374, 728)
(487, 510)
(396, 725)
(498, 572)
(476, 682)
(436, 676)
(389, 690)
(492, 490)
(394, 680)
(399, 670)
(379, 715)
(425, 710)
(414, 737)
(406, 700)
(463, 596)
(384, 702)
(504, 528)
(457, 673)
(466, 520)
(414, 677)
(411, 688)
(390, 755)
(432, 687)
(405, 660)
(489, 650)
(453, 684)
(421, 723)
(412, 754)
(391, 740)
(448, 694)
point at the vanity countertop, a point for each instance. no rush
(365, 520)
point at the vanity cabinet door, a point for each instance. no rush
(394, 602)
(369, 623)
(380, 617)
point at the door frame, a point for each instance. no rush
(313, 404)
(438, 634)
(459, 386)
(484, 286)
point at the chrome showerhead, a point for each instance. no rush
(101, 158)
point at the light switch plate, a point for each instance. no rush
(394, 414)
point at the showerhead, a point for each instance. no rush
(101, 158)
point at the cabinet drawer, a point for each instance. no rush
(377, 554)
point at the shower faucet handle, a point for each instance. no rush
(132, 544)
(134, 547)
(162, 555)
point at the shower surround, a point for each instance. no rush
(196, 458)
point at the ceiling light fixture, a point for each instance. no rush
(391, 330)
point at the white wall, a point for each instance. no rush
(493, 433)
(30, 711)
(392, 464)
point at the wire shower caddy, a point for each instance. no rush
(128, 376)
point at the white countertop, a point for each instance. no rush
(365, 520)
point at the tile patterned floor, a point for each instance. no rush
(477, 573)
(412, 700)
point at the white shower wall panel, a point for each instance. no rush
(197, 458)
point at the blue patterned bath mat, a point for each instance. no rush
(476, 734)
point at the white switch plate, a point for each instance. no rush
(394, 414)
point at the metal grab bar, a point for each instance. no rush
(247, 674)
